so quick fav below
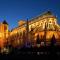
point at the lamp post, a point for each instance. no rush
(45, 34)
(27, 34)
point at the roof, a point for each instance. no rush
(48, 12)
(44, 14)
(4, 22)
(33, 19)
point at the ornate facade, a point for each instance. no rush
(35, 32)
(44, 25)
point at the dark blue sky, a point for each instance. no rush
(14, 10)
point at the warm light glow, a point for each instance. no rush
(48, 22)
(45, 26)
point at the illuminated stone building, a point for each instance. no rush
(3, 33)
(44, 25)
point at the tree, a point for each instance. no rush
(53, 41)
(38, 41)
(53, 47)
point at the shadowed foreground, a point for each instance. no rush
(33, 52)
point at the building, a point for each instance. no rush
(44, 25)
(3, 33)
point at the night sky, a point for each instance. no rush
(14, 10)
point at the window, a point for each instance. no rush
(54, 23)
(49, 21)
(5, 27)
(41, 23)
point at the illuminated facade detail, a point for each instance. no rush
(45, 24)
(3, 33)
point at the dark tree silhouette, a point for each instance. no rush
(53, 41)
(38, 39)
(53, 47)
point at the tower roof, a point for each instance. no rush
(4, 22)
